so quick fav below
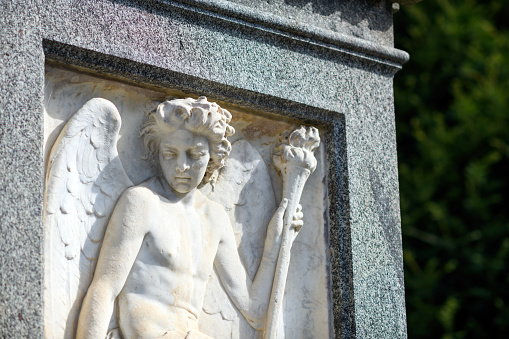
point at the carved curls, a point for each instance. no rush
(198, 116)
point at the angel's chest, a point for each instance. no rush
(183, 243)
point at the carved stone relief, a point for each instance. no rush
(176, 218)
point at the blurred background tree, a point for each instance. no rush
(452, 116)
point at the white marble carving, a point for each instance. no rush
(167, 244)
(294, 158)
(84, 180)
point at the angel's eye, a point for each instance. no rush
(197, 155)
(169, 154)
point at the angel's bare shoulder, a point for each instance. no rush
(137, 199)
(203, 202)
(131, 217)
(148, 189)
(215, 211)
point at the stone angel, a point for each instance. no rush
(134, 261)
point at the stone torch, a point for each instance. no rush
(294, 158)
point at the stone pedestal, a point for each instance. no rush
(327, 64)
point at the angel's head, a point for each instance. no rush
(198, 127)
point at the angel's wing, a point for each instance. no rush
(84, 180)
(245, 190)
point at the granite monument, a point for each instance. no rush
(72, 68)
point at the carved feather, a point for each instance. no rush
(84, 180)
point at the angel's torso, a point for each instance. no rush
(166, 285)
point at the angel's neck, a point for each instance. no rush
(186, 199)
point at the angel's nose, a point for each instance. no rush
(182, 163)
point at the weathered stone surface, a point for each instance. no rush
(317, 62)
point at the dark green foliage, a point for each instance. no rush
(452, 113)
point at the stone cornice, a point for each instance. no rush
(294, 30)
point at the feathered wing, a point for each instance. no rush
(84, 180)
(245, 190)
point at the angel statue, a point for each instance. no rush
(134, 261)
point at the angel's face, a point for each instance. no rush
(183, 157)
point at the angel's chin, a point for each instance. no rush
(182, 188)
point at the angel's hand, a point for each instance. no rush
(297, 219)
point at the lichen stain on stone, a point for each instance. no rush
(254, 126)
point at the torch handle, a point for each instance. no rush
(293, 185)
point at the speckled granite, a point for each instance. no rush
(364, 19)
(326, 63)
(21, 170)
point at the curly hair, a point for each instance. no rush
(198, 116)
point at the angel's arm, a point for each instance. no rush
(122, 241)
(252, 297)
